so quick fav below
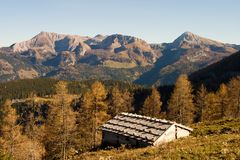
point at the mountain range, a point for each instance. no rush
(117, 57)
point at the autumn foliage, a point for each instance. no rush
(63, 125)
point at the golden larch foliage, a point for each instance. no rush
(60, 125)
(234, 96)
(120, 101)
(200, 102)
(152, 104)
(181, 106)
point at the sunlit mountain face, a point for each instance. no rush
(116, 57)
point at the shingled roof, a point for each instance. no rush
(139, 127)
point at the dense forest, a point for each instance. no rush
(42, 87)
(217, 73)
(50, 119)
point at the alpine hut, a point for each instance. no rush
(140, 131)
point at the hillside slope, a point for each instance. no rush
(218, 72)
(13, 67)
(211, 140)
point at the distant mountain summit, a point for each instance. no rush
(189, 40)
(47, 42)
(130, 47)
(118, 40)
(188, 53)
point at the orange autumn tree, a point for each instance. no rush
(223, 100)
(152, 104)
(60, 125)
(200, 104)
(181, 107)
(233, 110)
(120, 101)
(94, 111)
(12, 142)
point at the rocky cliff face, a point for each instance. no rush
(46, 46)
(50, 42)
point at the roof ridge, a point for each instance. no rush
(183, 126)
(146, 117)
(155, 119)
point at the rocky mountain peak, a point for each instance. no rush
(95, 40)
(122, 39)
(43, 39)
(99, 36)
(46, 33)
(49, 42)
(190, 40)
(48, 36)
(189, 36)
(119, 40)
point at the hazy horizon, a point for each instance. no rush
(155, 21)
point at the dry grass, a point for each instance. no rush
(215, 140)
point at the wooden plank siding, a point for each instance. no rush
(141, 131)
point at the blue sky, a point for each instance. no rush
(155, 21)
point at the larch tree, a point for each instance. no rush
(234, 96)
(181, 107)
(120, 101)
(152, 104)
(12, 142)
(36, 133)
(10, 130)
(212, 110)
(85, 122)
(95, 104)
(200, 102)
(223, 99)
(60, 125)
(128, 99)
(99, 94)
(34, 127)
